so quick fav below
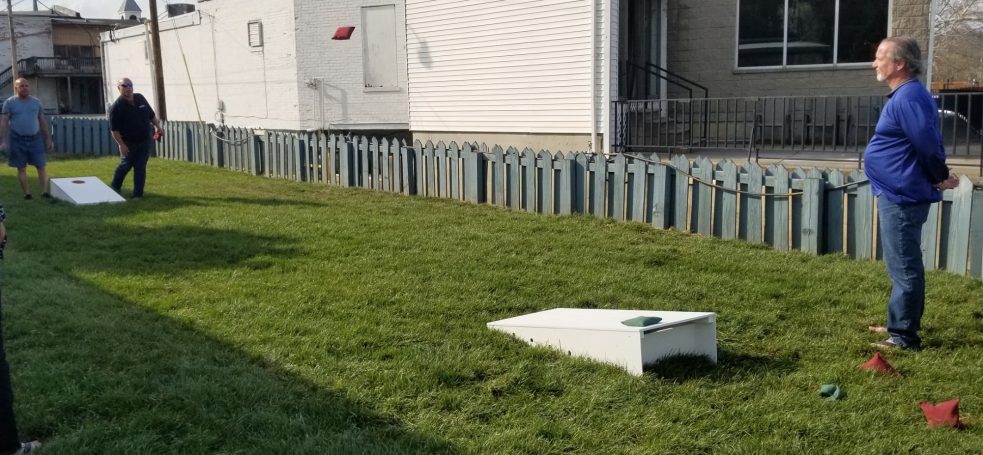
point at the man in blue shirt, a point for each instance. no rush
(905, 163)
(23, 119)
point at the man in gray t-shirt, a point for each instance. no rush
(23, 128)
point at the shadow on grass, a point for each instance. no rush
(267, 202)
(108, 376)
(730, 366)
(95, 373)
(76, 235)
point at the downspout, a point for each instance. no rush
(933, 4)
(593, 77)
(105, 74)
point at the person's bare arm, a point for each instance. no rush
(123, 149)
(45, 132)
(4, 124)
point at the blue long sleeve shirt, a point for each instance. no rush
(905, 158)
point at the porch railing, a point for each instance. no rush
(52, 65)
(789, 123)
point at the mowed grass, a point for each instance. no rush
(227, 313)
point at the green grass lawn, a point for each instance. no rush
(227, 313)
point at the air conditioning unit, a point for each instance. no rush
(177, 9)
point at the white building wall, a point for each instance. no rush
(330, 72)
(506, 66)
(33, 40)
(208, 63)
(33, 37)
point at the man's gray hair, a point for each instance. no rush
(906, 49)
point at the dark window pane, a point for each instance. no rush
(760, 37)
(862, 27)
(810, 31)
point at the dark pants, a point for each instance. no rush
(9, 441)
(901, 237)
(136, 160)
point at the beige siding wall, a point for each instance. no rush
(510, 66)
(702, 35)
(75, 35)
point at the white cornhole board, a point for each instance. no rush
(83, 191)
(600, 335)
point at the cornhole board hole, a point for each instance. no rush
(83, 191)
(600, 334)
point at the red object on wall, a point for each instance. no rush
(343, 33)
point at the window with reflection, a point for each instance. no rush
(776, 33)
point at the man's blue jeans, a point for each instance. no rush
(136, 159)
(901, 235)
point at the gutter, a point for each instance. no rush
(593, 76)
(932, 11)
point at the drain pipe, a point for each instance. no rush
(932, 11)
(593, 77)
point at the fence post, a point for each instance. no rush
(407, 158)
(617, 188)
(477, 175)
(528, 163)
(833, 241)
(453, 171)
(661, 195)
(862, 214)
(349, 163)
(563, 184)
(580, 185)
(976, 235)
(497, 176)
(428, 161)
(957, 248)
(546, 187)
(813, 190)
(681, 193)
(638, 174)
(600, 185)
(218, 146)
(703, 197)
(777, 225)
(726, 224)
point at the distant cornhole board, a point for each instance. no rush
(602, 335)
(83, 191)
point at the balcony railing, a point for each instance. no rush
(817, 123)
(32, 66)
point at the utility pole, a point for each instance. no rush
(13, 42)
(158, 65)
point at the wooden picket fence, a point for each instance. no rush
(812, 210)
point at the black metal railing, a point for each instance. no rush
(789, 123)
(630, 71)
(32, 66)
